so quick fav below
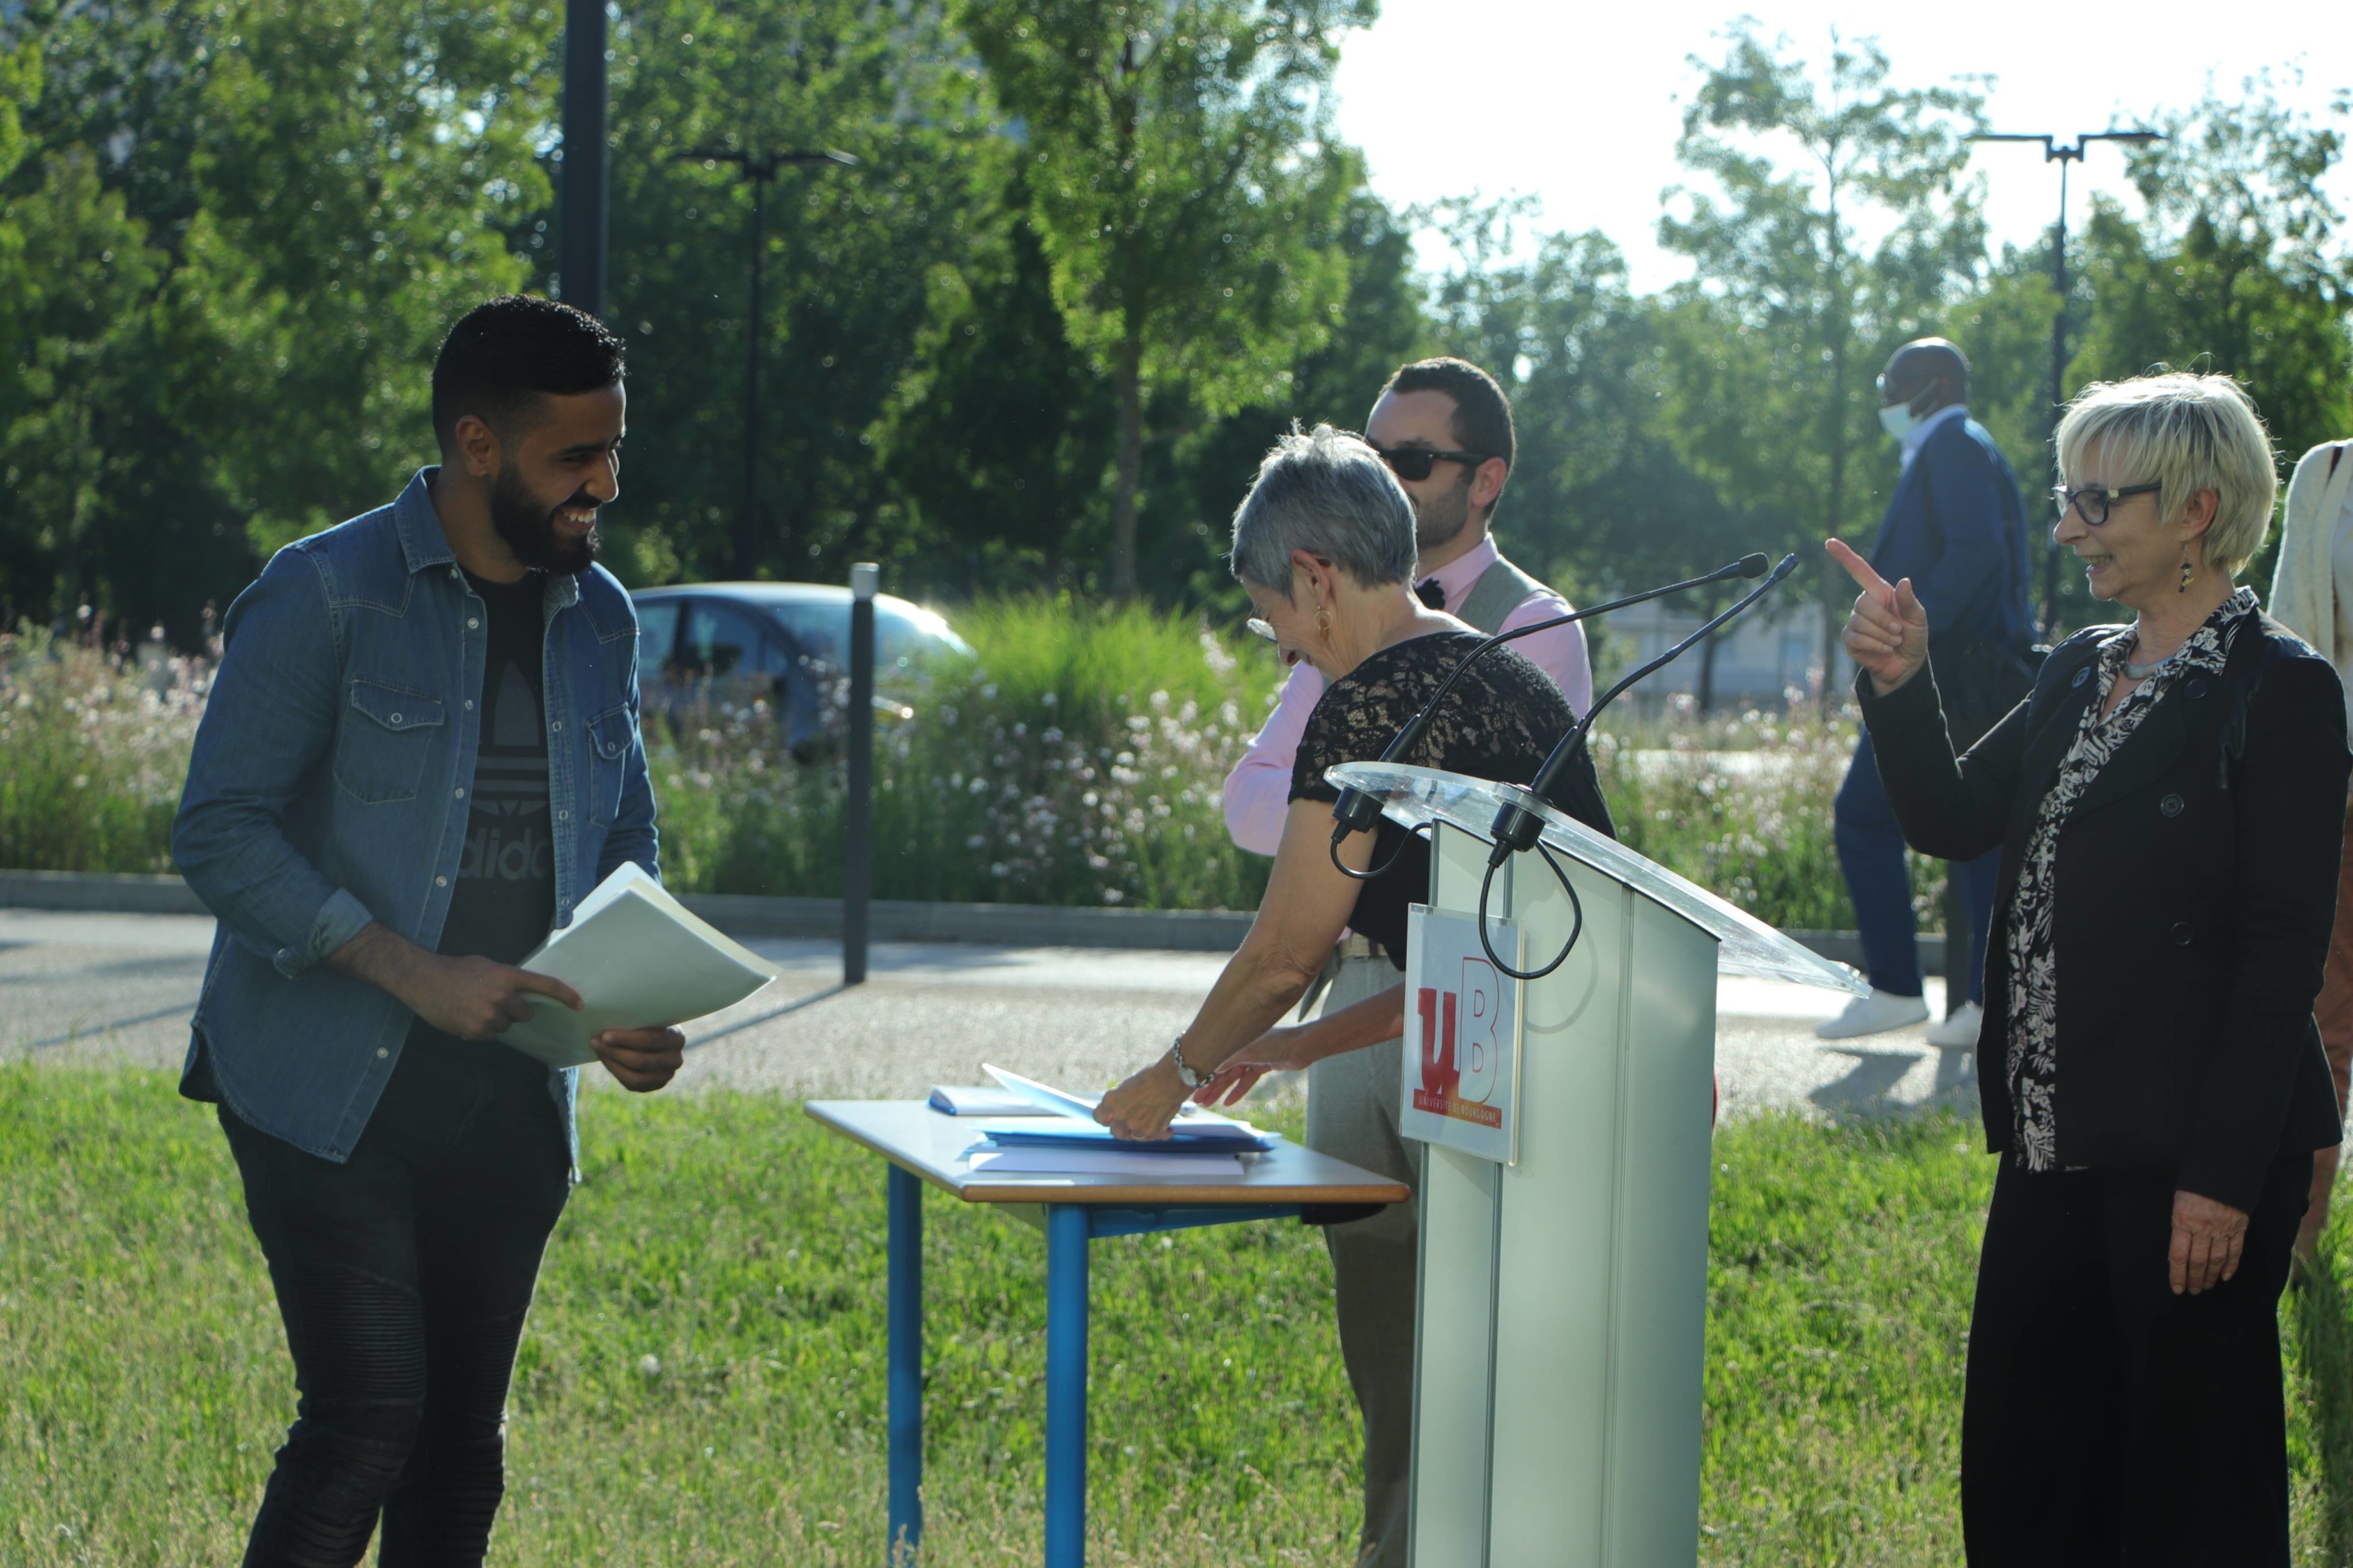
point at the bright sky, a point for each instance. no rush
(1579, 104)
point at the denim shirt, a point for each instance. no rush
(327, 789)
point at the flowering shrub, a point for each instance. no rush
(1741, 803)
(1078, 759)
(93, 750)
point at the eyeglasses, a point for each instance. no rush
(1262, 628)
(2093, 502)
(1414, 463)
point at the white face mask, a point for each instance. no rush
(1898, 420)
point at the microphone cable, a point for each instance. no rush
(1518, 828)
(1355, 812)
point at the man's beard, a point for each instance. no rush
(530, 530)
(1443, 517)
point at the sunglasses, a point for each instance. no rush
(1414, 463)
(2093, 502)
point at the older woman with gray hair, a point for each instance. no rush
(1323, 545)
(2169, 802)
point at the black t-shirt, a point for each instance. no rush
(504, 901)
(1500, 721)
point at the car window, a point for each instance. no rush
(657, 633)
(724, 639)
(819, 631)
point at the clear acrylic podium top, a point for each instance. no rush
(1745, 945)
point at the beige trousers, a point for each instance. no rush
(1352, 1115)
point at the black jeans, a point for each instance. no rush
(2108, 1421)
(404, 1276)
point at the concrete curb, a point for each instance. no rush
(744, 914)
(891, 920)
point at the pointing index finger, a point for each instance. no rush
(1860, 570)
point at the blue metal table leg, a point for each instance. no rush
(906, 1366)
(1066, 1239)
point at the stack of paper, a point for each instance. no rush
(960, 1099)
(1201, 1146)
(639, 960)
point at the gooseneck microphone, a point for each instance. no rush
(1356, 812)
(1517, 827)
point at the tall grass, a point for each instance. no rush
(2319, 1317)
(1077, 758)
(1740, 803)
(93, 750)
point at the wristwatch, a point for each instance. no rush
(1185, 1074)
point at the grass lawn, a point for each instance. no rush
(702, 1383)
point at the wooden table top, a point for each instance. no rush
(912, 1135)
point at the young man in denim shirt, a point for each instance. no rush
(420, 752)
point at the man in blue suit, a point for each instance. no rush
(1956, 527)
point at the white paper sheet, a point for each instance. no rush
(1107, 1162)
(639, 960)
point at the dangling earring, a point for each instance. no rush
(2188, 571)
(1324, 620)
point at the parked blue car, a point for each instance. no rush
(784, 643)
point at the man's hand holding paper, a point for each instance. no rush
(641, 964)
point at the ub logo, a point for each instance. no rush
(1461, 1051)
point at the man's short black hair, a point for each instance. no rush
(506, 352)
(1482, 414)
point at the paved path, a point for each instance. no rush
(79, 989)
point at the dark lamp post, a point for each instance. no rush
(759, 170)
(2062, 153)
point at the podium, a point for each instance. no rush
(1560, 1335)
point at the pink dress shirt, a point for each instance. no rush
(1257, 793)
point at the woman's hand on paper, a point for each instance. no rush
(1142, 1108)
(641, 1060)
(1278, 1051)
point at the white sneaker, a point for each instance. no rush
(1960, 1030)
(1874, 1013)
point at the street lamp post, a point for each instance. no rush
(759, 170)
(2062, 153)
(580, 240)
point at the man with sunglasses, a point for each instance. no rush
(1445, 429)
(1957, 527)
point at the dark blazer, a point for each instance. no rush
(1956, 527)
(2196, 886)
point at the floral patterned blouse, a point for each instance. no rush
(2032, 1067)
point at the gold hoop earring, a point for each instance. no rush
(2188, 571)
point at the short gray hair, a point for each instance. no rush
(1324, 490)
(2188, 433)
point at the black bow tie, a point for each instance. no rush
(1430, 594)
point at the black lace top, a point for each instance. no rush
(1500, 722)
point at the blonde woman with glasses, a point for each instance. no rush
(2169, 802)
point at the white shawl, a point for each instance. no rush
(2304, 589)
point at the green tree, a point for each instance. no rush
(247, 225)
(2234, 270)
(1190, 191)
(1773, 345)
(852, 272)
(1008, 432)
(1194, 479)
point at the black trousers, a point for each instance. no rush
(404, 1276)
(2107, 1421)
